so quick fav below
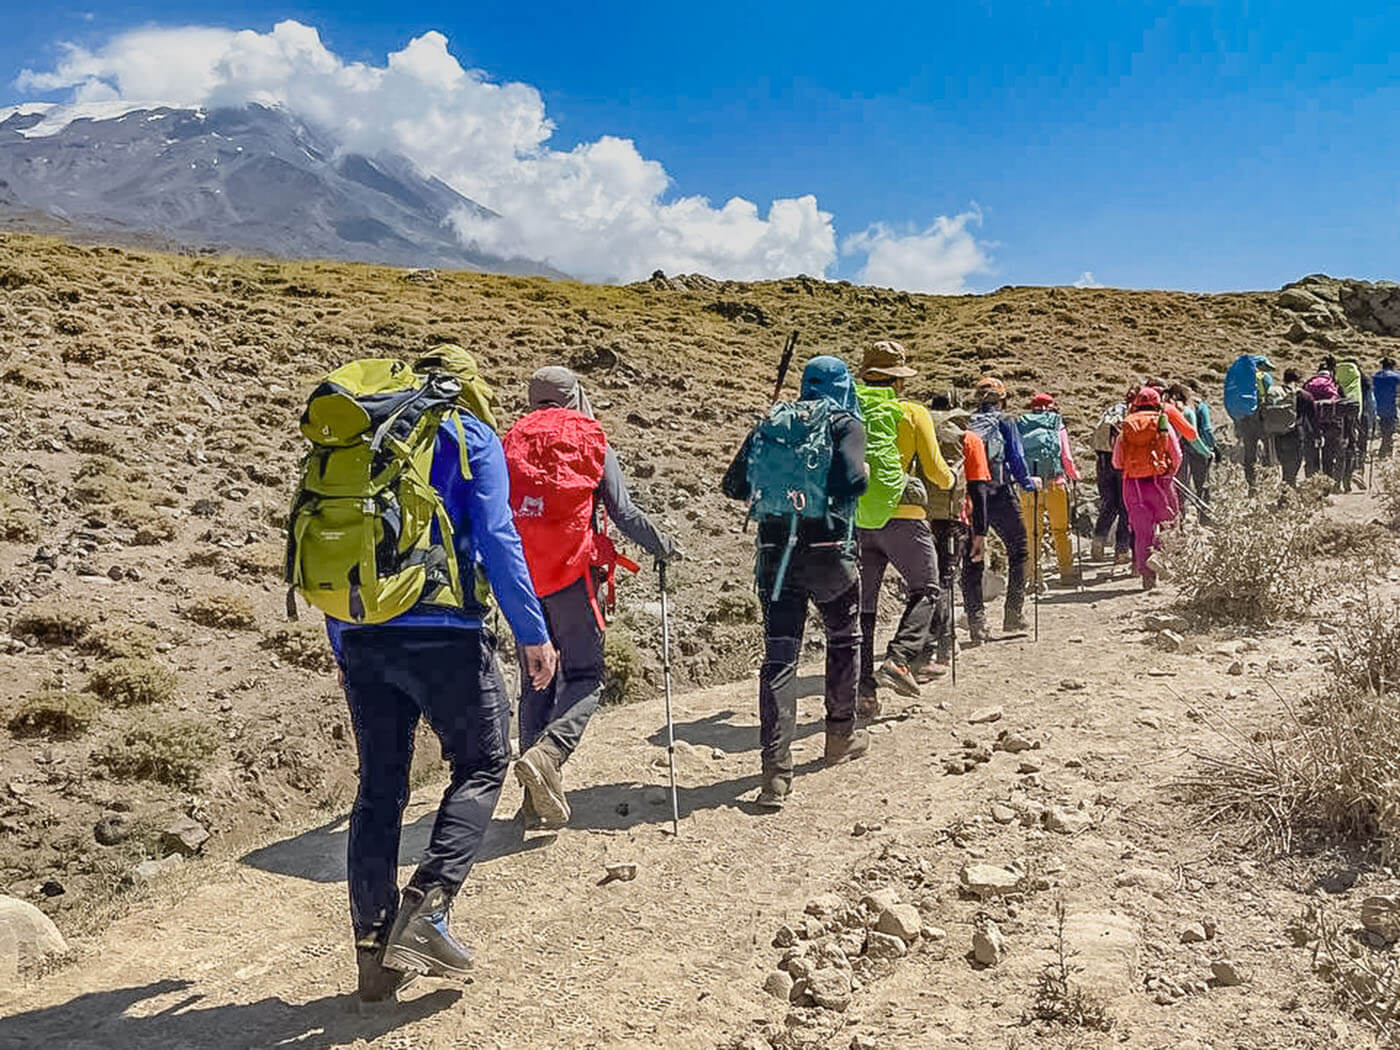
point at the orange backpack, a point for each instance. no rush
(1146, 444)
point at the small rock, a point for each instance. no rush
(1169, 641)
(864, 1042)
(1235, 668)
(984, 715)
(1030, 765)
(902, 921)
(1192, 934)
(935, 933)
(830, 988)
(988, 880)
(779, 985)
(1381, 916)
(885, 946)
(116, 573)
(1145, 878)
(150, 869)
(825, 905)
(1065, 821)
(865, 827)
(786, 937)
(185, 835)
(111, 830)
(620, 871)
(876, 901)
(1165, 622)
(1227, 974)
(52, 888)
(1071, 685)
(988, 945)
(1003, 814)
(1012, 743)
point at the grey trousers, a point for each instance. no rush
(907, 544)
(561, 710)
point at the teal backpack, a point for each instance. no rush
(788, 466)
(882, 414)
(1040, 437)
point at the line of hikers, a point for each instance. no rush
(411, 512)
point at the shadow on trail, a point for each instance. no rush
(716, 730)
(318, 855)
(103, 1021)
(1123, 587)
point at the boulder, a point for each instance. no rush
(989, 880)
(1105, 947)
(1065, 821)
(825, 905)
(1160, 621)
(885, 946)
(830, 988)
(27, 937)
(1226, 974)
(902, 921)
(779, 985)
(1296, 298)
(988, 945)
(1381, 916)
(876, 901)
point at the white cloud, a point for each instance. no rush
(938, 259)
(1087, 280)
(599, 210)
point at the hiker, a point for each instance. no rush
(410, 642)
(1113, 516)
(892, 521)
(1247, 384)
(1288, 415)
(1148, 453)
(1331, 414)
(805, 553)
(1004, 454)
(1045, 441)
(1384, 385)
(566, 484)
(1198, 453)
(1360, 410)
(957, 516)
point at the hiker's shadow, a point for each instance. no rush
(1095, 592)
(318, 855)
(716, 730)
(165, 1015)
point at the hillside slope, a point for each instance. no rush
(150, 436)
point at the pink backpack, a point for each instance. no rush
(1322, 387)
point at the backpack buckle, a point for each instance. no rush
(798, 500)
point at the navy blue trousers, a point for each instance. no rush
(393, 677)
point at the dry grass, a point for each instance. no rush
(133, 681)
(1253, 565)
(117, 641)
(167, 749)
(1364, 978)
(52, 623)
(226, 611)
(56, 714)
(1058, 999)
(304, 646)
(622, 667)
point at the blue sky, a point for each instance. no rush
(1196, 146)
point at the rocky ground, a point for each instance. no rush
(159, 706)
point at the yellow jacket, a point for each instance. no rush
(917, 437)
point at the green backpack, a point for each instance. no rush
(882, 414)
(1040, 438)
(361, 544)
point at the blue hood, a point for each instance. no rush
(828, 378)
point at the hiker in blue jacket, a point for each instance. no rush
(1003, 506)
(438, 664)
(1384, 385)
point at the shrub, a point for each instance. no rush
(1331, 538)
(226, 611)
(303, 646)
(1387, 490)
(116, 641)
(133, 680)
(1252, 565)
(151, 526)
(18, 522)
(734, 607)
(55, 713)
(52, 623)
(167, 749)
(622, 668)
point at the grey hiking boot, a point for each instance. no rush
(898, 677)
(1014, 622)
(377, 983)
(526, 816)
(843, 747)
(420, 940)
(774, 791)
(539, 771)
(867, 702)
(977, 632)
(1096, 549)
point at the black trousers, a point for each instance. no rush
(1003, 518)
(827, 577)
(1387, 429)
(562, 709)
(393, 677)
(1111, 509)
(1289, 449)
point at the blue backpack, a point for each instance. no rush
(788, 466)
(1040, 437)
(1242, 387)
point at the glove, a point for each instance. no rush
(672, 554)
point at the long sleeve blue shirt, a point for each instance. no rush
(1015, 453)
(484, 534)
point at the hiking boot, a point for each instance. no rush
(867, 702)
(377, 983)
(843, 747)
(977, 630)
(1096, 549)
(898, 677)
(526, 816)
(420, 940)
(539, 771)
(931, 672)
(1014, 623)
(774, 791)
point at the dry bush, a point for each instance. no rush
(622, 668)
(1329, 775)
(18, 522)
(117, 641)
(1364, 978)
(133, 680)
(1058, 999)
(303, 646)
(225, 611)
(1252, 565)
(52, 623)
(1387, 491)
(55, 713)
(167, 749)
(1330, 538)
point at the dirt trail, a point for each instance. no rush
(253, 951)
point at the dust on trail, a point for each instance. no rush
(255, 952)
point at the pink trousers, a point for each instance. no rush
(1151, 502)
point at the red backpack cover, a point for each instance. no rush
(555, 457)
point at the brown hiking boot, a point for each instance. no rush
(977, 632)
(774, 791)
(930, 672)
(867, 702)
(843, 747)
(539, 773)
(897, 677)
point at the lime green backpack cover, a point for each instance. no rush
(1349, 379)
(361, 545)
(881, 411)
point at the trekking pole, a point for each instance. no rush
(1078, 539)
(1035, 560)
(1189, 494)
(666, 675)
(784, 363)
